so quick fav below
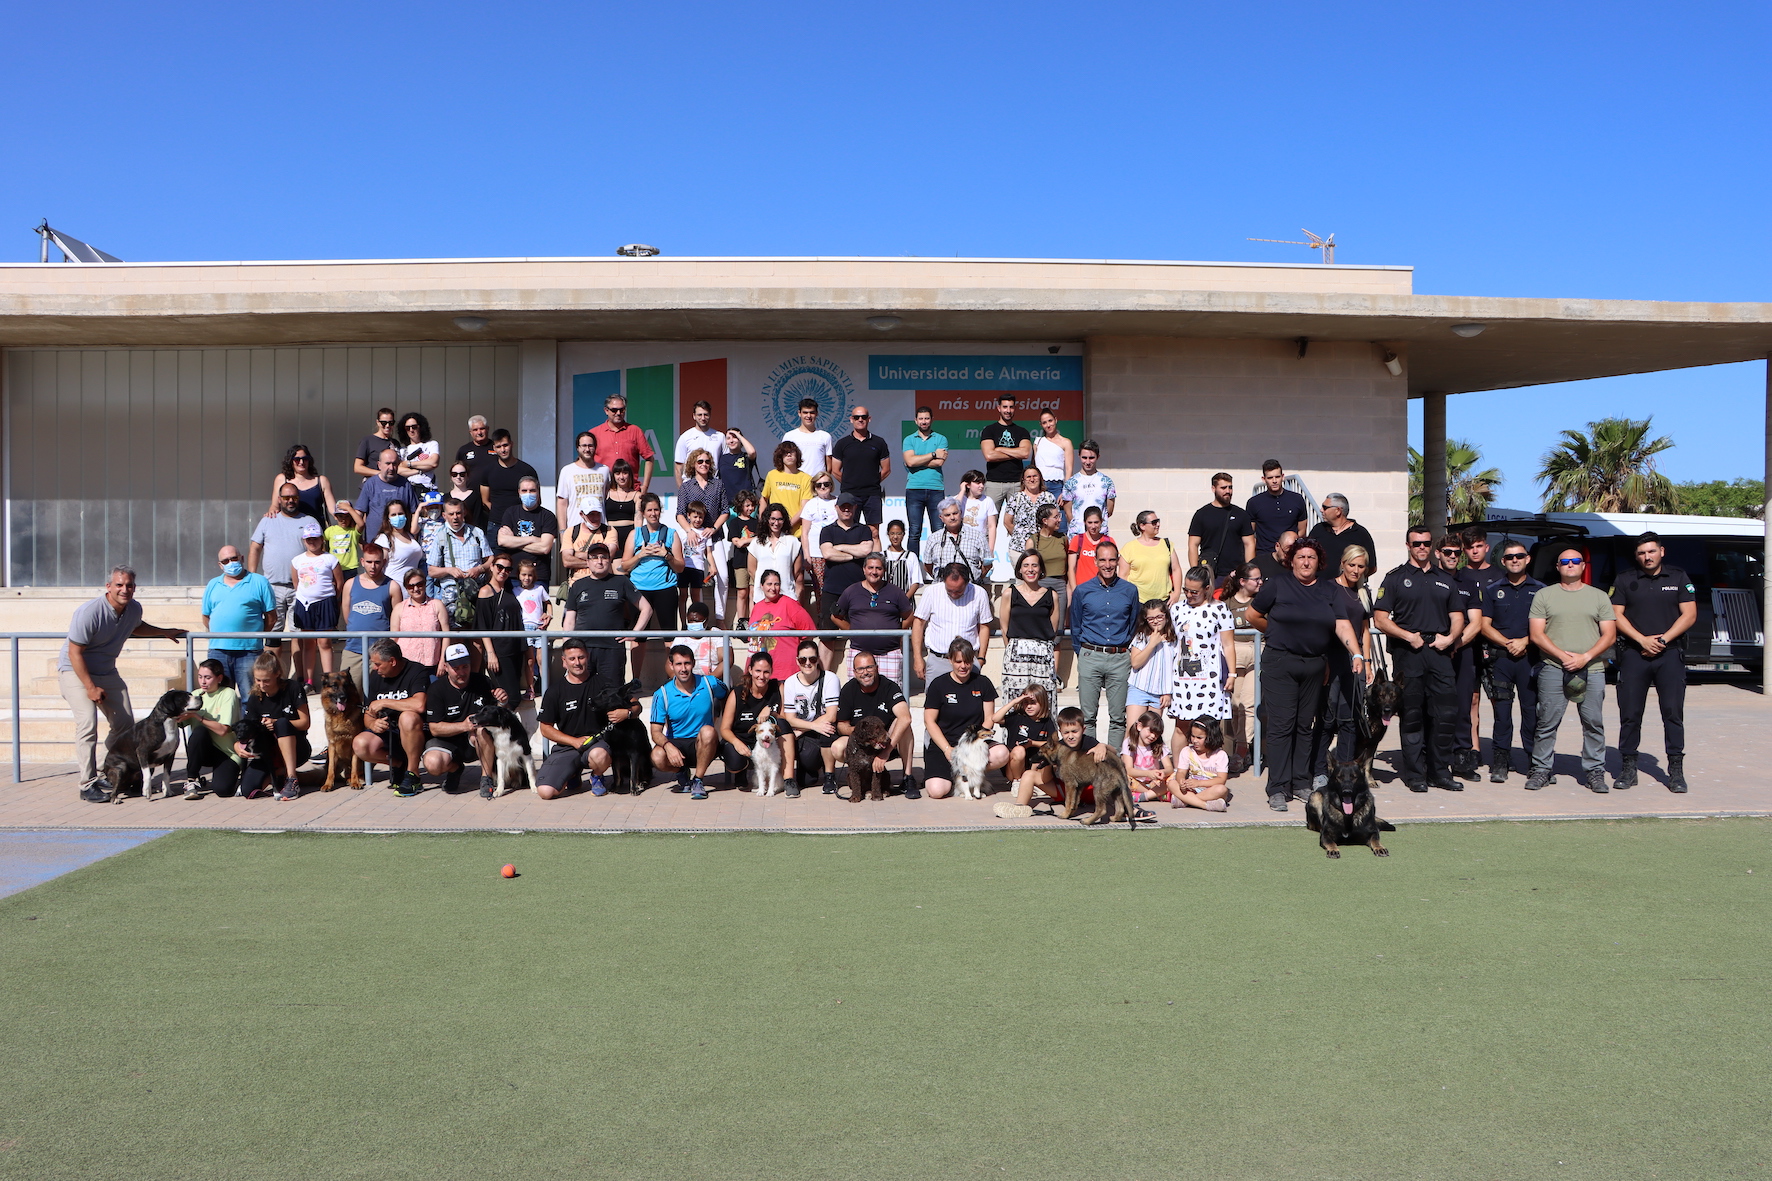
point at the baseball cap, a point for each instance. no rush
(455, 652)
(430, 498)
(342, 509)
(589, 504)
(310, 528)
(847, 498)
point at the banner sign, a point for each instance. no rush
(758, 388)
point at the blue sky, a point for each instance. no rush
(1616, 151)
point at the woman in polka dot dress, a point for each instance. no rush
(1198, 688)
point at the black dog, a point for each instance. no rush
(1384, 697)
(513, 765)
(1344, 812)
(630, 751)
(150, 743)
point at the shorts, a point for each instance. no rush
(664, 608)
(318, 616)
(460, 749)
(540, 644)
(936, 765)
(738, 576)
(562, 768)
(868, 509)
(686, 748)
(692, 578)
(282, 594)
(1137, 696)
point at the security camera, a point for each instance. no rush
(1053, 348)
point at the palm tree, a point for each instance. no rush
(1610, 469)
(1468, 494)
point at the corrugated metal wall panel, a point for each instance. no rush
(189, 442)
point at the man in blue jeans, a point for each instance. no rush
(924, 454)
(1104, 613)
(237, 600)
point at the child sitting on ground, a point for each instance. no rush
(1203, 780)
(1148, 764)
(1073, 735)
(532, 597)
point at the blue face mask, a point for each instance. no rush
(234, 569)
(696, 625)
(396, 521)
(530, 499)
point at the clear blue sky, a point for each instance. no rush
(1603, 151)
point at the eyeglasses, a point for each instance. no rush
(1450, 553)
(1421, 545)
(1570, 562)
(859, 417)
(821, 483)
(415, 584)
(303, 459)
(223, 561)
(502, 569)
(808, 660)
(455, 471)
(1514, 557)
(384, 422)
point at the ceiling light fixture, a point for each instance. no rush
(884, 323)
(1468, 330)
(471, 323)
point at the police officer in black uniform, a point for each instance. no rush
(1512, 674)
(1465, 757)
(1655, 606)
(1422, 612)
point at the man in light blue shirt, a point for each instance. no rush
(682, 716)
(1104, 615)
(237, 600)
(924, 454)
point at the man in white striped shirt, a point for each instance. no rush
(955, 608)
(955, 542)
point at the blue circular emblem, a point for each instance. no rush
(818, 378)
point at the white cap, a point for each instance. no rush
(310, 528)
(455, 652)
(589, 504)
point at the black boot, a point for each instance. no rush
(1627, 772)
(1498, 771)
(1676, 774)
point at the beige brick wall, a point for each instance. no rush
(1170, 411)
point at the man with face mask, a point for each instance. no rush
(530, 530)
(237, 601)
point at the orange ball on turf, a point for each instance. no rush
(510, 871)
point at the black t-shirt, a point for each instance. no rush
(445, 703)
(861, 462)
(855, 703)
(1357, 614)
(1469, 585)
(840, 576)
(410, 681)
(959, 707)
(281, 706)
(1652, 605)
(1026, 731)
(872, 610)
(1221, 530)
(568, 708)
(746, 708)
(1274, 515)
(1006, 434)
(532, 522)
(1509, 608)
(1335, 544)
(500, 611)
(603, 605)
(501, 485)
(736, 470)
(737, 527)
(1419, 600)
(370, 449)
(1301, 619)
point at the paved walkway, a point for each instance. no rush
(1729, 751)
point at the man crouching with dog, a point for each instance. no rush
(450, 705)
(569, 718)
(394, 718)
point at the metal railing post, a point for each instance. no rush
(1255, 711)
(190, 664)
(18, 733)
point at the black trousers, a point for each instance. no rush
(1430, 707)
(202, 753)
(1464, 683)
(1292, 701)
(1636, 673)
(1336, 731)
(1516, 680)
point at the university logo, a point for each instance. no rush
(818, 378)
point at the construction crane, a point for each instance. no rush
(1326, 245)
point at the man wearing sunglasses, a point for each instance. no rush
(1513, 659)
(861, 460)
(1422, 612)
(1574, 625)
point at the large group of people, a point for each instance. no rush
(1020, 554)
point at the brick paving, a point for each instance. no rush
(1728, 744)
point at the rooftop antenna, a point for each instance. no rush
(1326, 245)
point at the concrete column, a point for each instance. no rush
(1433, 455)
(1766, 602)
(538, 401)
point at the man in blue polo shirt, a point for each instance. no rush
(1104, 612)
(237, 600)
(1276, 510)
(683, 733)
(925, 451)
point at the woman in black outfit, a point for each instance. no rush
(497, 609)
(621, 505)
(757, 697)
(1303, 617)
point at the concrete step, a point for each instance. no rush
(141, 688)
(130, 664)
(49, 608)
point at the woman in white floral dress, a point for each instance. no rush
(1200, 687)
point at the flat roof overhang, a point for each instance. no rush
(1525, 341)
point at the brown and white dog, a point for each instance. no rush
(343, 707)
(1077, 769)
(972, 755)
(766, 757)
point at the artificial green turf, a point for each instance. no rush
(1494, 1001)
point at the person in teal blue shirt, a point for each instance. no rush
(924, 454)
(683, 734)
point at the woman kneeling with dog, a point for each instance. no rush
(273, 731)
(214, 712)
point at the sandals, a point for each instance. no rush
(1144, 815)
